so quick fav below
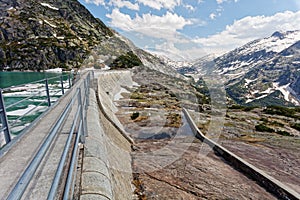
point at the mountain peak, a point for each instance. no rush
(278, 35)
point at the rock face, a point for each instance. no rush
(37, 35)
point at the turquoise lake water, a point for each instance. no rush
(24, 87)
(8, 79)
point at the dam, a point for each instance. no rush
(80, 149)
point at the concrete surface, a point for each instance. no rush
(106, 163)
(271, 184)
(19, 153)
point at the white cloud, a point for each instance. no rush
(169, 49)
(212, 16)
(97, 2)
(165, 26)
(248, 29)
(159, 4)
(122, 3)
(190, 7)
(222, 1)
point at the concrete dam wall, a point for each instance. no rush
(107, 171)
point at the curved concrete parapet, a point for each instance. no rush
(109, 85)
(271, 184)
(106, 171)
(96, 180)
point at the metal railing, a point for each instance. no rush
(78, 131)
(43, 94)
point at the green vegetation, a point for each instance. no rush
(263, 128)
(204, 96)
(296, 126)
(273, 123)
(235, 92)
(272, 99)
(241, 107)
(283, 111)
(129, 60)
(137, 95)
(284, 133)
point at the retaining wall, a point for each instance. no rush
(271, 184)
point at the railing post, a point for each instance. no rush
(87, 92)
(69, 77)
(82, 118)
(62, 85)
(47, 92)
(4, 120)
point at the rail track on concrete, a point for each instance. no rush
(272, 185)
(42, 162)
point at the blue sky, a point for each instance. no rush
(189, 29)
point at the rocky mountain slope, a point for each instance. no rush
(263, 72)
(275, 81)
(39, 35)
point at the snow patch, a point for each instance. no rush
(118, 96)
(31, 109)
(11, 8)
(52, 25)
(283, 90)
(56, 70)
(287, 93)
(274, 44)
(268, 91)
(135, 84)
(234, 66)
(49, 6)
(58, 37)
(248, 81)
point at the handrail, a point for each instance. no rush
(63, 158)
(26, 177)
(70, 179)
(78, 102)
(33, 82)
(58, 87)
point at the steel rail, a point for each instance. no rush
(26, 177)
(63, 158)
(70, 179)
(21, 101)
(34, 82)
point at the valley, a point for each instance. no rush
(247, 100)
(170, 163)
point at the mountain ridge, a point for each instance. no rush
(268, 64)
(38, 35)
